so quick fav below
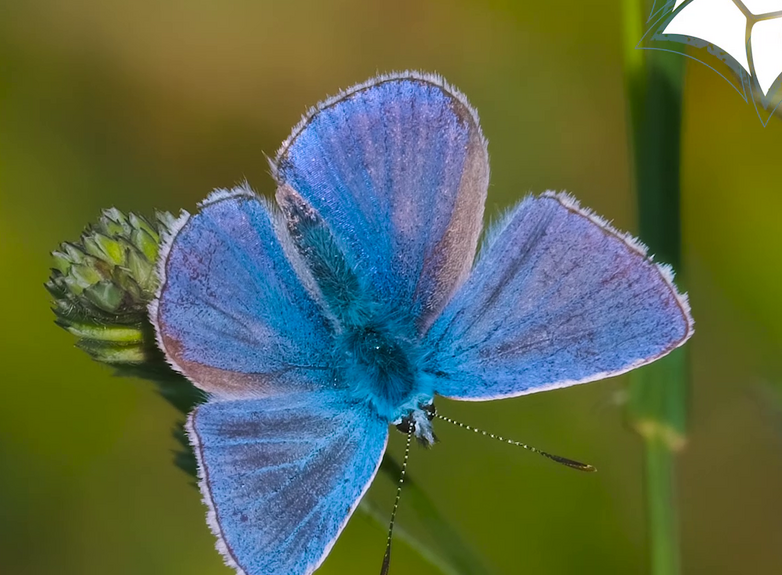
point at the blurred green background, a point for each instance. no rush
(145, 105)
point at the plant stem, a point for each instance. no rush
(663, 520)
(401, 534)
(657, 406)
(456, 553)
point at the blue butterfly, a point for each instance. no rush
(315, 323)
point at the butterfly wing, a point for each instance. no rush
(557, 298)
(231, 313)
(398, 169)
(281, 476)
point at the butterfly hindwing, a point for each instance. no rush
(557, 297)
(231, 313)
(398, 169)
(282, 475)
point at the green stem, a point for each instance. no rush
(657, 406)
(663, 521)
(437, 561)
(457, 553)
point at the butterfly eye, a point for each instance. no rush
(430, 410)
(407, 425)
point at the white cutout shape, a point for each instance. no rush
(719, 22)
(750, 31)
(766, 42)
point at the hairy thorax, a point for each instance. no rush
(383, 367)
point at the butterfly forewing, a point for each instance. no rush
(558, 297)
(398, 168)
(231, 313)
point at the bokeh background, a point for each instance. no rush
(149, 104)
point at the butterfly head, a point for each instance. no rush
(419, 423)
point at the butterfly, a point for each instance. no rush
(316, 321)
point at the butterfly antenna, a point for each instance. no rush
(563, 460)
(387, 556)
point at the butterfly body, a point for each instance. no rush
(346, 306)
(382, 367)
(377, 355)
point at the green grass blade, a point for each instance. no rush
(456, 552)
(401, 534)
(657, 406)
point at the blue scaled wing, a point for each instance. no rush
(282, 475)
(557, 298)
(398, 168)
(231, 313)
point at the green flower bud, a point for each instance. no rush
(102, 285)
